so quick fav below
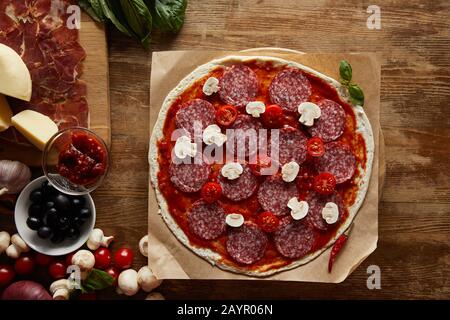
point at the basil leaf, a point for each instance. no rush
(112, 12)
(97, 8)
(345, 70)
(86, 6)
(139, 19)
(168, 15)
(97, 280)
(356, 94)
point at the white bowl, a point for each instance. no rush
(44, 245)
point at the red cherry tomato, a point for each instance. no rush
(69, 259)
(24, 264)
(315, 147)
(43, 260)
(87, 296)
(102, 258)
(273, 116)
(123, 258)
(267, 221)
(57, 270)
(261, 162)
(113, 272)
(211, 192)
(226, 115)
(7, 274)
(324, 183)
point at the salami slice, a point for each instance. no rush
(195, 111)
(293, 239)
(331, 123)
(291, 146)
(247, 135)
(274, 194)
(189, 177)
(289, 88)
(338, 160)
(238, 85)
(207, 221)
(241, 188)
(316, 203)
(246, 244)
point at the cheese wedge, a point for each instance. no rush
(15, 80)
(35, 126)
(5, 114)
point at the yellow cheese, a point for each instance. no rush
(35, 126)
(5, 114)
(15, 80)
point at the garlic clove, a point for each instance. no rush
(14, 176)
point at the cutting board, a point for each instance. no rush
(95, 74)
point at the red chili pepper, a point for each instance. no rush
(337, 247)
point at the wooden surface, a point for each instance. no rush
(414, 214)
(95, 74)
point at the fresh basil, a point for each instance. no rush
(97, 8)
(139, 19)
(168, 15)
(112, 11)
(345, 70)
(97, 280)
(86, 6)
(356, 94)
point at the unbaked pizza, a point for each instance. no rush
(259, 164)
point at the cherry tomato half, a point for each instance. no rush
(123, 258)
(43, 260)
(261, 162)
(324, 183)
(57, 270)
(102, 258)
(69, 258)
(226, 115)
(273, 116)
(211, 192)
(7, 274)
(113, 272)
(315, 147)
(267, 221)
(24, 264)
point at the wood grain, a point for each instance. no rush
(414, 213)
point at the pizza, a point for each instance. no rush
(258, 163)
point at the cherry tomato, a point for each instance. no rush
(102, 258)
(262, 161)
(324, 183)
(315, 147)
(268, 222)
(57, 270)
(7, 274)
(226, 115)
(88, 296)
(113, 272)
(273, 116)
(43, 260)
(24, 264)
(123, 258)
(69, 258)
(211, 192)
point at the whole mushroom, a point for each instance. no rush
(61, 289)
(128, 283)
(155, 296)
(85, 260)
(17, 247)
(147, 280)
(4, 241)
(143, 246)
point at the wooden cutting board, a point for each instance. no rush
(95, 74)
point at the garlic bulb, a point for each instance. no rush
(14, 176)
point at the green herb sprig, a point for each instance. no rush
(355, 92)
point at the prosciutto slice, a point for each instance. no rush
(37, 30)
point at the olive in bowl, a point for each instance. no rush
(51, 222)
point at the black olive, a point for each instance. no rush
(49, 205)
(36, 196)
(34, 223)
(51, 217)
(44, 232)
(77, 221)
(57, 238)
(62, 223)
(35, 210)
(78, 202)
(85, 213)
(72, 233)
(62, 202)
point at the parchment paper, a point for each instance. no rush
(169, 259)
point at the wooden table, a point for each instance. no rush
(414, 216)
